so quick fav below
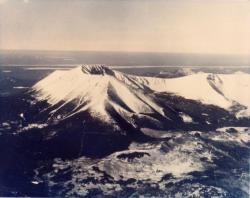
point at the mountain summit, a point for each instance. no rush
(96, 70)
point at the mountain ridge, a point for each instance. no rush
(96, 85)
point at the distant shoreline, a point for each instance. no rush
(48, 66)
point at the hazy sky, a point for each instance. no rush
(189, 26)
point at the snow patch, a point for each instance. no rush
(5, 124)
(33, 126)
(35, 182)
(186, 118)
(233, 134)
(6, 71)
(20, 87)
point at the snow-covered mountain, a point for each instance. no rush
(111, 109)
(96, 87)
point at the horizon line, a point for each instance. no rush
(123, 51)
